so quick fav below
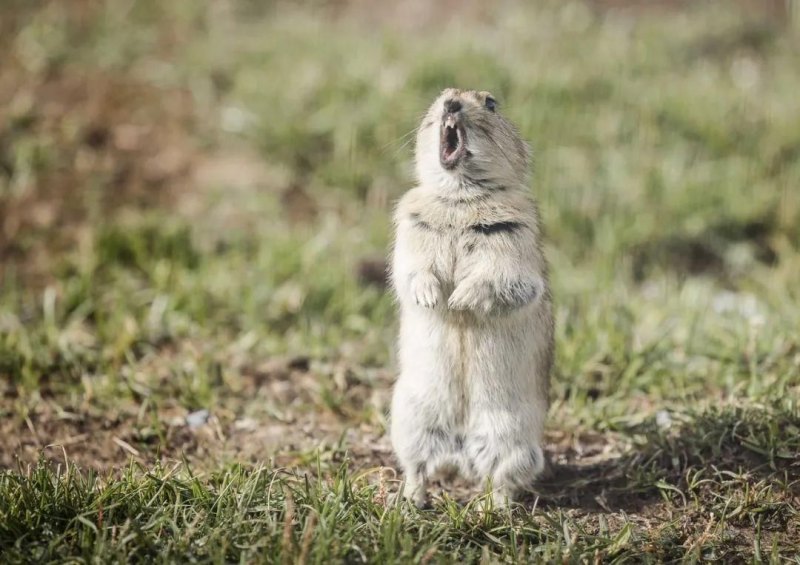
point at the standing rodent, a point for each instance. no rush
(476, 324)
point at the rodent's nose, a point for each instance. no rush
(452, 106)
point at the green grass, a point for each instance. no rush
(259, 514)
(190, 191)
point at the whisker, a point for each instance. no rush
(404, 145)
(403, 138)
(406, 138)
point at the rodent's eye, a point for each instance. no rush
(491, 103)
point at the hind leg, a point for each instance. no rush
(515, 473)
(412, 446)
(505, 454)
(415, 486)
(423, 438)
(423, 413)
(508, 470)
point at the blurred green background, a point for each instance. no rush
(212, 170)
(222, 174)
(195, 203)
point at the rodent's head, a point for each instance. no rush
(463, 141)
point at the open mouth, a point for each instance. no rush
(452, 144)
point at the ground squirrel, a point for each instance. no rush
(476, 324)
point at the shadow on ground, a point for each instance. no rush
(734, 446)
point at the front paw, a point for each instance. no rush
(476, 296)
(425, 290)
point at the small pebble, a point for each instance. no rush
(663, 419)
(197, 418)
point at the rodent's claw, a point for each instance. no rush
(425, 290)
(473, 296)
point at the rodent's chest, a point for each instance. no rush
(453, 237)
(445, 248)
(448, 242)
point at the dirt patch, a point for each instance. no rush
(283, 411)
(722, 251)
(98, 440)
(76, 145)
(373, 271)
